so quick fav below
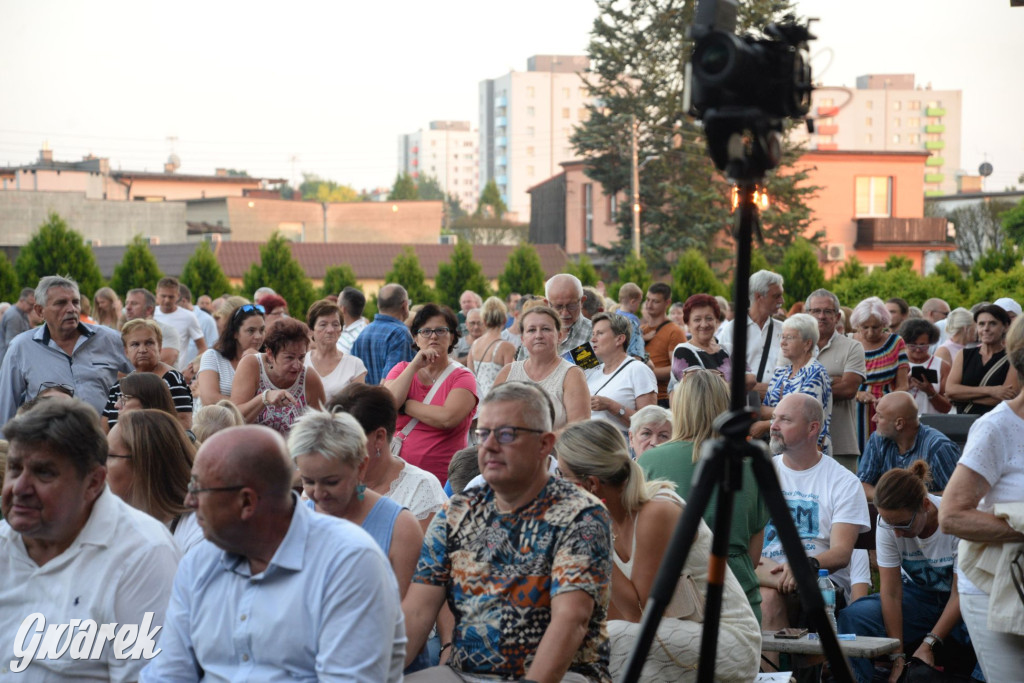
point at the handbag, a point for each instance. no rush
(693, 610)
(398, 440)
(919, 672)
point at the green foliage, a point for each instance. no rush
(10, 288)
(138, 268)
(459, 274)
(279, 271)
(995, 260)
(998, 284)
(428, 188)
(979, 227)
(203, 275)
(523, 273)
(55, 249)
(316, 188)
(406, 271)
(889, 282)
(236, 173)
(491, 199)
(338, 278)
(633, 270)
(583, 268)
(851, 270)
(801, 271)
(951, 273)
(898, 262)
(403, 188)
(483, 230)
(1013, 223)
(693, 275)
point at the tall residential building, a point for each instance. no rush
(887, 112)
(447, 151)
(526, 119)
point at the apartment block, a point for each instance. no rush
(447, 151)
(890, 113)
(526, 120)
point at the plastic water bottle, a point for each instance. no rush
(828, 594)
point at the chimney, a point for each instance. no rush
(46, 154)
(220, 172)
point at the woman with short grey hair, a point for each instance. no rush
(885, 359)
(803, 375)
(649, 426)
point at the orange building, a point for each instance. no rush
(871, 204)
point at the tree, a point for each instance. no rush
(801, 271)
(459, 274)
(633, 270)
(428, 188)
(203, 275)
(278, 270)
(523, 273)
(491, 198)
(55, 249)
(404, 188)
(406, 271)
(315, 188)
(787, 218)
(851, 270)
(994, 260)
(978, 228)
(584, 269)
(1013, 221)
(482, 230)
(998, 284)
(10, 288)
(138, 268)
(637, 50)
(338, 278)
(692, 274)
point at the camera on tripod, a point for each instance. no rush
(737, 84)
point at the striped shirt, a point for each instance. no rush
(931, 445)
(180, 394)
(382, 345)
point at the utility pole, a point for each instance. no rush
(635, 186)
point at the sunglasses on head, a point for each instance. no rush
(63, 388)
(249, 308)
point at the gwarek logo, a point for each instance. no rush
(82, 639)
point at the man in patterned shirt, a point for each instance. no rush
(524, 561)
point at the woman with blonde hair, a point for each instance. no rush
(698, 399)
(211, 419)
(106, 308)
(960, 331)
(490, 353)
(644, 515)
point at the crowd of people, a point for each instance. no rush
(486, 494)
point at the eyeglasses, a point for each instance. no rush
(919, 347)
(566, 308)
(821, 311)
(503, 434)
(897, 527)
(249, 308)
(194, 490)
(433, 332)
(123, 398)
(64, 388)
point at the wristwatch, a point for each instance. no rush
(931, 640)
(622, 411)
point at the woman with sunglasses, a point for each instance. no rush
(441, 426)
(242, 335)
(917, 602)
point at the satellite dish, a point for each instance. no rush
(985, 170)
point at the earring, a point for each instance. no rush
(378, 452)
(360, 489)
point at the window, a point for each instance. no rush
(869, 104)
(914, 106)
(530, 111)
(897, 122)
(565, 112)
(895, 138)
(869, 121)
(588, 212)
(913, 139)
(873, 196)
(530, 171)
(868, 138)
(914, 121)
(530, 92)
(530, 131)
(613, 207)
(826, 102)
(529, 151)
(897, 105)
(581, 114)
(565, 93)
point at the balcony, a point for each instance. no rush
(500, 101)
(934, 178)
(935, 128)
(934, 161)
(900, 232)
(503, 141)
(830, 129)
(502, 160)
(500, 121)
(824, 112)
(935, 111)
(935, 144)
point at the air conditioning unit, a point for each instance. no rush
(95, 243)
(835, 252)
(154, 239)
(448, 239)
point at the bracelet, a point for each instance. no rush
(898, 655)
(935, 637)
(444, 647)
(265, 401)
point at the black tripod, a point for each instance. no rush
(746, 145)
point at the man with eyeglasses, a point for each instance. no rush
(72, 551)
(280, 592)
(564, 293)
(844, 359)
(386, 341)
(900, 439)
(828, 509)
(524, 560)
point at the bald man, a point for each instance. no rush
(280, 589)
(900, 439)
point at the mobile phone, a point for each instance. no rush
(791, 633)
(923, 374)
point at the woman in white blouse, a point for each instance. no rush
(336, 369)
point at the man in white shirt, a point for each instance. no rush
(352, 303)
(74, 554)
(185, 322)
(764, 334)
(206, 322)
(827, 504)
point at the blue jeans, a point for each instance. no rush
(921, 609)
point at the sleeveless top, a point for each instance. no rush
(486, 371)
(281, 418)
(924, 404)
(974, 372)
(551, 384)
(380, 522)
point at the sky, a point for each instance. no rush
(278, 89)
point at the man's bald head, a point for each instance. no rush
(253, 456)
(899, 404)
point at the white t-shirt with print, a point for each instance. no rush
(927, 562)
(636, 379)
(819, 497)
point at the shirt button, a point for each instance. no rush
(245, 658)
(243, 617)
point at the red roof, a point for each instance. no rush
(373, 261)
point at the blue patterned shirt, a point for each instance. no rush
(382, 345)
(931, 445)
(811, 379)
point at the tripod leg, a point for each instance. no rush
(768, 483)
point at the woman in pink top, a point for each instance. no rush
(443, 425)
